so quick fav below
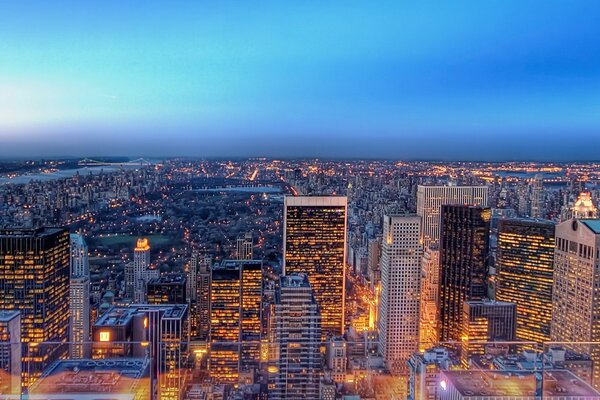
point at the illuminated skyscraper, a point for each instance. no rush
(400, 290)
(430, 199)
(536, 193)
(485, 321)
(524, 268)
(575, 299)
(199, 295)
(314, 242)
(34, 279)
(79, 288)
(584, 207)
(235, 319)
(245, 247)
(464, 249)
(295, 335)
(141, 262)
(430, 285)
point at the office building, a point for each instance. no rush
(336, 359)
(138, 273)
(34, 279)
(10, 352)
(430, 200)
(314, 242)
(503, 385)
(235, 319)
(575, 300)
(79, 289)
(464, 247)
(400, 290)
(536, 199)
(430, 285)
(486, 321)
(199, 295)
(524, 270)
(155, 331)
(167, 289)
(295, 334)
(425, 369)
(245, 247)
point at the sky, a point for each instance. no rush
(469, 80)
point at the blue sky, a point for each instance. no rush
(447, 80)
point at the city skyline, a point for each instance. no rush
(475, 82)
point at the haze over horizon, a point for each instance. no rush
(455, 81)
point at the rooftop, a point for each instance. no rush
(593, 224)
(38, 232)
(91, 376)
(480, 383)
(168, 279)
(7, 315)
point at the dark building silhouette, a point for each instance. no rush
(464, 250)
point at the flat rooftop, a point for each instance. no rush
(113, 376)
(7, 315)
(168, 279)
(122, 315)
(477, 383)
(38, 232)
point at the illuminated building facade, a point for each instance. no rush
(314, 242)
(199, 295)
(400, 290)
(140, 273)
(424, 378)
(536, 199)
(430, 284)
(245, 247)
(79, 288)
(167, 289)
(10, 352)
(430, 200)
(34, 279)
(485, 321)
(155, 331)
(464, 249)
(524, 270)
(575, 300)
(295, 336)
(235, 319)
(584, 207)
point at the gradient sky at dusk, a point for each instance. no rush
(436, 80)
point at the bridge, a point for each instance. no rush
(86, 162)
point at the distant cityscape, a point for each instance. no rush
(196, 279)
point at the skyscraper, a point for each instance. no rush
(575, 300)
(400, 290)
(199, 296)
(141, 262)
(295, 334)
(536, 193)
(430, 199)
(79, 288)
(524, 270)
(464, 248)
(430, 285)
(314, 242)
(167, 289)
(245, 247)
(484, 321)
(34, 279)
(235, 318)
